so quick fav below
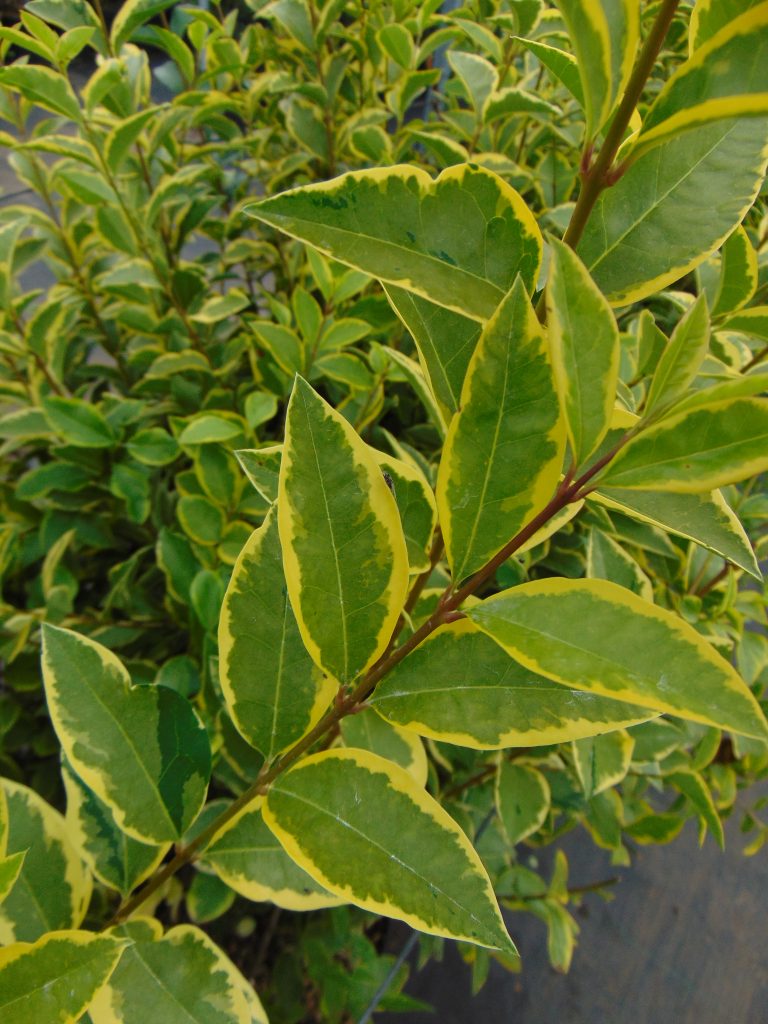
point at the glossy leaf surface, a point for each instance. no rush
(651, 228)
(181, 978)
(696, 450)
(504, 449)
(427, 236)
(346, 564)
(141, 749)
(725, 77)
(273, 690)
(55, 978)
(597, 636)
(362, 828)
(461, 687)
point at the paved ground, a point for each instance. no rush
(685, 941)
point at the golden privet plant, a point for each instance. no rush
(322, 619)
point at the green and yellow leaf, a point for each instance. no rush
(693, 786)
(652, 227)
(415, 501)
(141, 749)
(364, 829)
(602, 761)
(273, 691)
(262, 467)
(604, 35)
(563, 65)
(738, 274)
(523, 800)
(710, 16)
(55, 978)
(504, 450)
(10, 869)
(415, 376)
(584, 341)
(461, 687)
(427, 236)
(706, 519)
(680, 361)
(725, 77)
(445, 341)
(607, 560)
(115, 858)
(596, 636)
(53, 888)
(248, 857)
(369, 731)
(345, 558)
(181, 978)
(550, 528)
(696, 450)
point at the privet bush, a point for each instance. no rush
(478, 572)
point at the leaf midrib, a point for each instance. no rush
(446, 268)
(387, 853)
(658, 202)
(157, 798)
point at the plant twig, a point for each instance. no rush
(598, 175)
(450, 601)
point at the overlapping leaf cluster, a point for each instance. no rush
(484, 586)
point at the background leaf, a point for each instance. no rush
(141, 749)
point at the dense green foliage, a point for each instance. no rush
(369, 526)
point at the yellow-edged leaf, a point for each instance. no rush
(55, 979)
(503, 454)
(363, 828)
(345, 558)
(53, 888)
(584, 340)
(726, 77)
(246, 855)
(698, 449)
(427, 236)
(596, 636)
(180, 978)
(141, 749)
(273, 691)
(461, 687)
(368, 730)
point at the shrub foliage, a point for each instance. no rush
(383, 464)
